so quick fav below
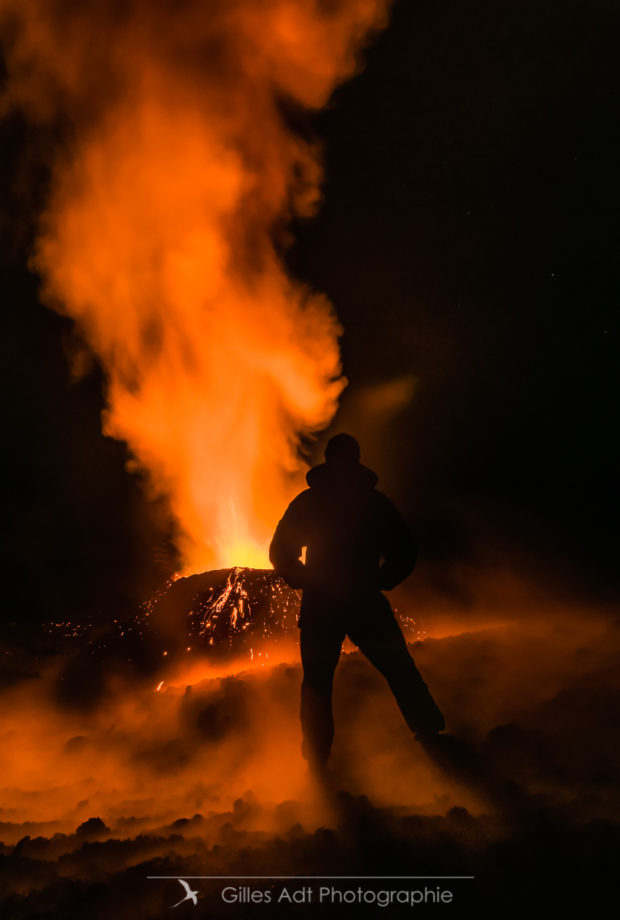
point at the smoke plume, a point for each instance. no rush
(183, 159)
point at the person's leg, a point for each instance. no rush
(380, 639)
(320, 650)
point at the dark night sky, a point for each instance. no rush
(467, 237)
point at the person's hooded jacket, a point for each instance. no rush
(356, 541)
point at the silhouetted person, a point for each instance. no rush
(357, 545)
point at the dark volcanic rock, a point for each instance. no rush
(219, 614)
(224, 611)
(93, 827)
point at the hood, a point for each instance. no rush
(329, 475)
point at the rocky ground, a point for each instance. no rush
(200, 774)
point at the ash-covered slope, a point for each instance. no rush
(212, 782)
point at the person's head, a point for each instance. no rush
(342, 450)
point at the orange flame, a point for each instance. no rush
(158, 238)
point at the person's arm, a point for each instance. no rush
(399, 549)
(286, 546)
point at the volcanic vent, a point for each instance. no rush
(214, 616)
(223, 612)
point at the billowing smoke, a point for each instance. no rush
(183, 160)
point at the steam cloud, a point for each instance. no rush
(170, 198)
